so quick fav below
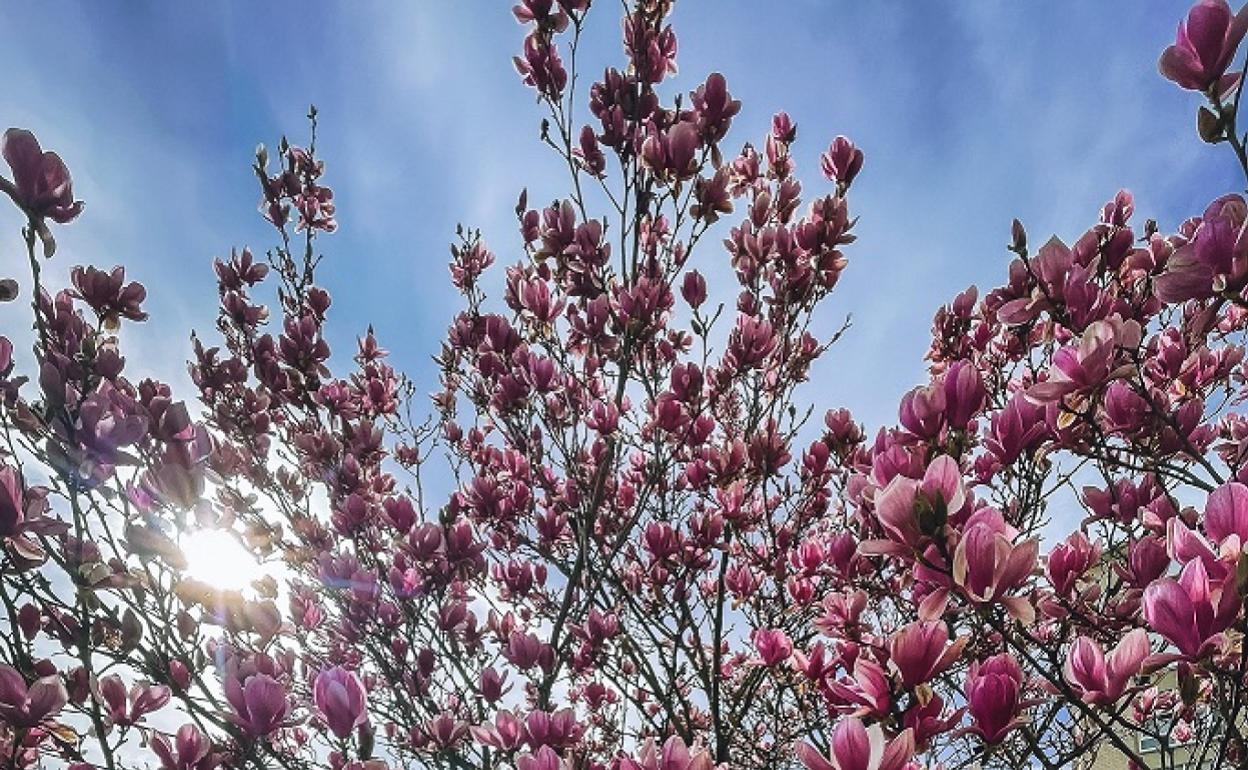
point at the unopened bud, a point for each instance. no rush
(1018, 237)
(1209, 126)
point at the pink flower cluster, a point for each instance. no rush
(649, 557)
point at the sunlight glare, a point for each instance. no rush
(216, 558)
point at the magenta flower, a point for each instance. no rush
(993, 691)
(12, 501)
(24, 707)
(922, 411)
(1214, 260)
(1147, 560)
(988, 565)
(964, 394)
(693, 288)
(1069, 561)
(41, 184)
(1082, 368)
(507, 732)
(541, 67)
(921, 651)
(855, 747)
(544, 758)
(108, 294)
(674, 755)
(23, 519)
(842, 162)
(868, 691)
(190, 750)
(910, 510)
(1226, 516)
(773, 646)
(340, 697)
(1015, 428)
(260, 704)
(1204, 46)
(1100, 680)
(1194, 610)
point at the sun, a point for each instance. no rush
(216, 558)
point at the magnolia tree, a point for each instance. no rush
(653, 558)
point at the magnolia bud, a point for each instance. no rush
(131, 630)
(1018, 237)
(694, 288)
(179, 674)
(29, 619)
(1209, 126)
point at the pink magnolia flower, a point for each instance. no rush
(1069, 561)
(1147, 560)
(544, 758)
(541, 67)
(773, 646)
(339, 696)
(867, 693)
(921, 650)
(1226, 516)
(23, 706)
(1215, 259)
(507, 732)
(675, 755)
(260, 704)
(842, 162)
(910, 511)
(1088, 365)
(922, 411)
(1100, 680)
(1204, 46)
(993, 695)
(41, 184)
(964, 394)
(1194, 610)
(855, 747)
(190, 750)
(987, 564)
(693, 288)
(23, 518)
(1015, 428)
(929, 720)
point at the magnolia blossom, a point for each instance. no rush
(1205, 45)
(856, 747)
(673, 755)
(1214, 259)
(773, 646)
(921, 651)
(41, 184)
(988, 564)
(190, 750)
(910, 510)
(1226, 517)
(1194, 610)
(1103, 680)
(339, 696)
(25, 706)
(260, 704)
(993, 694)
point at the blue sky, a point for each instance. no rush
(970, 113)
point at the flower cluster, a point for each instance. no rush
(650, 557)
